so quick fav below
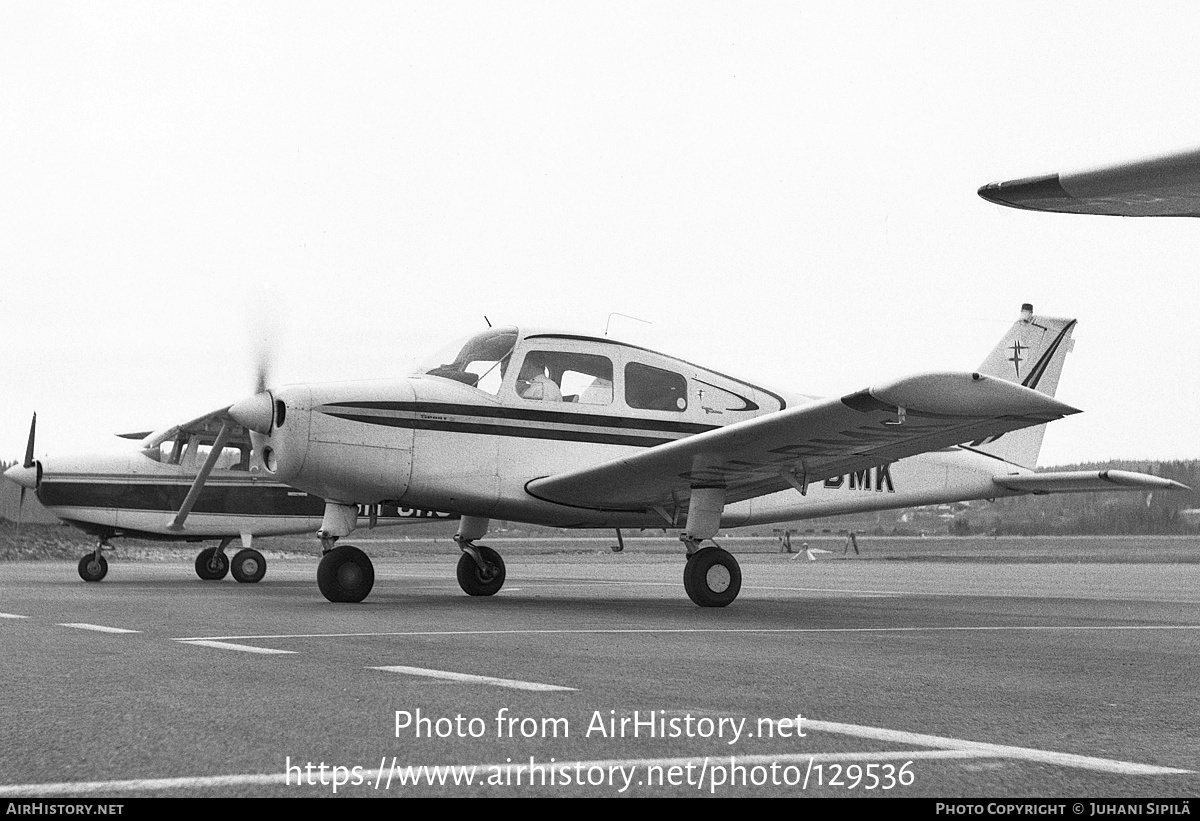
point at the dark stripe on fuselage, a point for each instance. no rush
(564, 417)
(474, 419)
(485, 429)
(244, 500)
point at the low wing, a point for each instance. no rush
(1166, 186)
(809, 443)
(1084, 481)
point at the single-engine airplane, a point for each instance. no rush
(575, 431)
(1163, 186)
(139, 494)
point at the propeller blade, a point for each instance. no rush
(264, 355)
(261, 375)
(29, 446)
(201, 477)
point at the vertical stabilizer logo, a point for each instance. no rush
(1017, 349)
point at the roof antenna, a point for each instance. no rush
(627, 316)
(488, 321)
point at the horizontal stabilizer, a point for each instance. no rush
(1085, 481)
(1167, 186)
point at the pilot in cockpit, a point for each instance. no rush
(534, 382)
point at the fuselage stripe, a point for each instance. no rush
(461, 412)
(563, 433)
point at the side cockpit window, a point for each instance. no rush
(189, 451)
(560, 376)
(650, 388)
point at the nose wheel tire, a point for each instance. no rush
(93, 568)
(712, 577)
(211, 565)
(248, 566)
(345, 574)
(476, 581)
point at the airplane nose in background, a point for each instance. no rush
(255, 413)
(26, 477)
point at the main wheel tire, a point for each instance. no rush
(93, 568)
(211, 566)
(248, 566)
(345, 574)
(477, 582)
(712, 577)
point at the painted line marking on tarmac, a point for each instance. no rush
(473, 679)
(706, 630)
(951, 748)
(100, 628)
(225, 645)
(12, 616)
(994, 750)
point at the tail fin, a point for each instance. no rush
(1030, 354)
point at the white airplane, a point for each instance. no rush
(575, 431)
(140, 494)
(1163, 186)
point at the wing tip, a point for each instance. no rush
(1043, 193)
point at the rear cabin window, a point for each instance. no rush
(560, 376)
(650, 388)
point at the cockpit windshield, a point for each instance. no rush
(479, 362)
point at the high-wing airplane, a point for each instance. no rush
(1164, 186)
(575, 431)
(140, 493)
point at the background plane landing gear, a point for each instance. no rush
(345, 574)
(480, 581)
(248, 566)
(712, 577)
(93, 567)
(212, 564)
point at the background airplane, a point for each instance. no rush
(1162, 186)
(575, 431)
(139, 494)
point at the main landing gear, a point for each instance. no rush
(248, 565)
(712, 577)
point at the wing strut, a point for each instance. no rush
(198, 485)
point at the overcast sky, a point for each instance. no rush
(783, 191)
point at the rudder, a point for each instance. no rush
(1030, 354)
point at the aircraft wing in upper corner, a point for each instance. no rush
(1165, 186)
(808, 443)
